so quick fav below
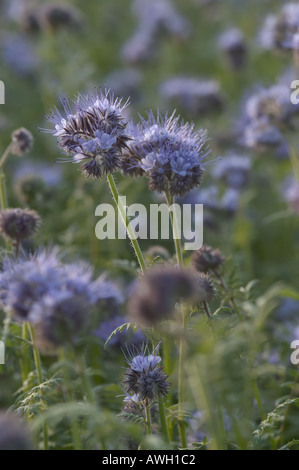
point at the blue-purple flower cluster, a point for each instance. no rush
(56, 298)
(169, 153)
(93, 134)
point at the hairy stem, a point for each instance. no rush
(175, 229)
(38, 367)
(180, 262)
(231, 297)
(126, 222)
(147, 417)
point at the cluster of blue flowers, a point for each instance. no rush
(55, 297)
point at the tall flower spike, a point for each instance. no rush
(93, 134)
(170, 153)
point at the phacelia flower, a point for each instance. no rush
(273, 103)
(262, 136)
(278, 30)
(161, 16)
(156, 294)
(144, 376)
(155, 18)
(19, 224)
(226, 204)
(232, 44)
(19, 53)
(56, 298)
(169, 153)
(233, 170)
(195, 97)
(21, 141)
(93, 134)
(14, 435)
(206, 259)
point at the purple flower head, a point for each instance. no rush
(273, 102)
(170, 153)
(194, 96)
(93, 133)
(145, 376)
(233, 170)
(55, 297)
(278, 30)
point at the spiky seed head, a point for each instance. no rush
(54, 16)
(21, 141)
(206, 259)
(156, 295)
(205, 288)
(19, 224)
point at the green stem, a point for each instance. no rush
(163, 421)
(147, 417)
(77, 444)
(85, 378)
(180, 262)
(182, 424)
(3, 192)
(231, 297)
(126, 221)
(5, 155)
(258, 399)
(206, 309)
(38, 367)
(24, 362)
(175, 229)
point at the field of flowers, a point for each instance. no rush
(110, 341)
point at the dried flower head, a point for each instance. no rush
(30, 22)
(56, 298)
(58, 15)
(205, 290)
(94, 133)
(156, 294)
(19, 224)
(21, 141)
(171, 154)
(145, 377)
(13, 433)
(206, 259)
